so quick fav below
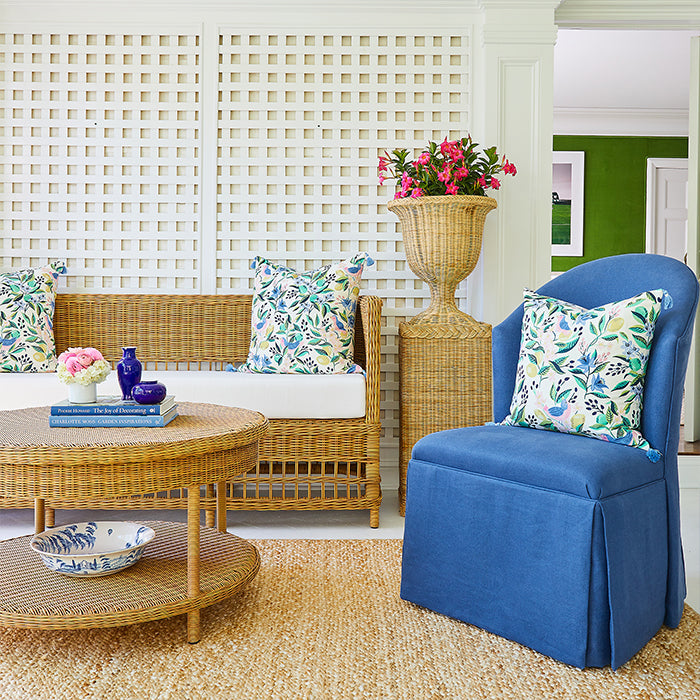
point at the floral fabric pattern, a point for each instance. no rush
(304, 321)
(582, 370)
(27, 301)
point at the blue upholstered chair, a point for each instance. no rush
(567, 544)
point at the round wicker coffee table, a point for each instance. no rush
(184, 569)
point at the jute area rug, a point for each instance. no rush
(323, 619)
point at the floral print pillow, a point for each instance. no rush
(304, 321)
(582, 370)
(27, 300)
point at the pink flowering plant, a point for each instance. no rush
(453, 167)
(82, 366)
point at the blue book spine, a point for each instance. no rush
(111, 409)
(97, 421)
(84, 410)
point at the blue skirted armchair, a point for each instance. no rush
(562, 542)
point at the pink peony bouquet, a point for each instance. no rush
(453, 167)
(82, 366)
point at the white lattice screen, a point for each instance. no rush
(101, 140)
(100, 167)
(302, 120)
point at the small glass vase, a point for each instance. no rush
(82, 393)
(128, 372)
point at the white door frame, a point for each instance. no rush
(583, 14)
(692, 379)
(653, 167)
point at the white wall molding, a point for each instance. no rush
(515, 35)
(514, 106)
(629, 14)
(302, 15)
(620, 122)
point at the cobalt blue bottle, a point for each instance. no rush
(128, 372)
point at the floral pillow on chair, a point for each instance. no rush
(582, 370)
(304, 322)
(27, 301)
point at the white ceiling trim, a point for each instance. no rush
(621, 122)
(332, 15)
(629, 14)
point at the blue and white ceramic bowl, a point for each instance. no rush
(92, 549)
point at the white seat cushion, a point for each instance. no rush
(273, 395)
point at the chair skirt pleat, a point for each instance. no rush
(578, 579)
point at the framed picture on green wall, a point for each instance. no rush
(567, 202)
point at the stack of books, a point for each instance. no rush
(112, 412)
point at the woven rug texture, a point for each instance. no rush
(323, 620)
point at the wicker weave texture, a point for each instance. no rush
(442, 237)
(153, 588)
(445, 383)
(164, 328)
(206, 444)
(201, 331)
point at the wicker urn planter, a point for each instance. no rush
(444, 354)
(442, 238)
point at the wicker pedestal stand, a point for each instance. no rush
(444, 354)
(444, 382)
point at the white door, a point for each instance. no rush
(667, 207)
(667, 225)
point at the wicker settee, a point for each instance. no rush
(304, 464)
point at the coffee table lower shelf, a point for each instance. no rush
(32, 596)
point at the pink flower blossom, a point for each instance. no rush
(454, 167)
(84, 359)
(452, 150)
(444, 175)
(73, 366)
(77, 359)
(406, 183)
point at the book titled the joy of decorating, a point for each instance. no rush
(112, 411)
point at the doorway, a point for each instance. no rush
(667, 207)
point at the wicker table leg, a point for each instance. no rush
(209, 514)
(221, 506)
(39, 516)
(193, 561)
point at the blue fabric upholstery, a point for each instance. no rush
(567, 544)
(581, 466)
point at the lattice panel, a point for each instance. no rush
(302, 120)
(99, 138)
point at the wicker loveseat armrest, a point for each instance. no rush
(370, 318)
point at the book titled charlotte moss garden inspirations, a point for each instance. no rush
(113, 420)
(112, 406)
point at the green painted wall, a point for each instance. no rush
(615, 175)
